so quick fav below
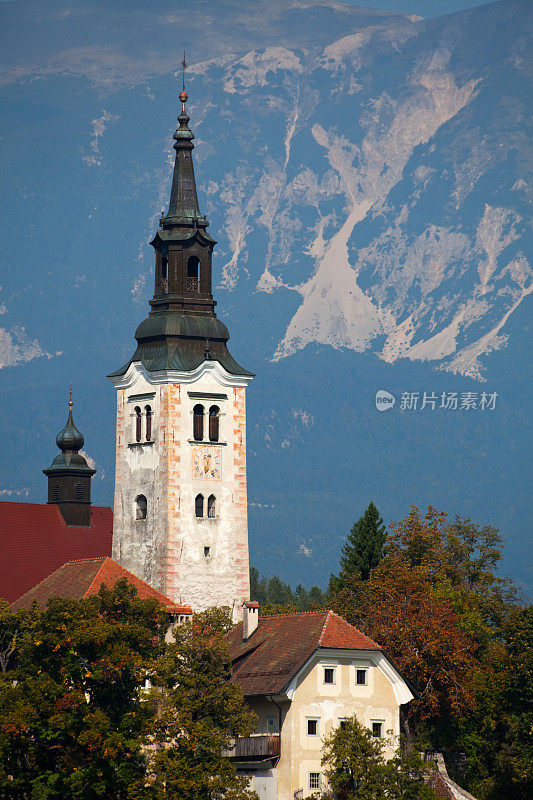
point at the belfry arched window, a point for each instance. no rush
(138, 424)
(193, 274)
(141, 507)
(211, 506)
(198, 422)
(164, 274)
(214, 423)
(148, 417)
(199, 506)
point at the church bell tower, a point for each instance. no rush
(180, 517)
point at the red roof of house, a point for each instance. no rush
(35, 540)
(268, 660)
(83, 578)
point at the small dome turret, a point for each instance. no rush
(70, 439)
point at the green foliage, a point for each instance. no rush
(451, 623)
(199, 712)
(72, 722)
(77, 722)
(273, 593)
(356, 768)
(363, 549)
(497, 736)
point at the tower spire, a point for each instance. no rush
(69, 475)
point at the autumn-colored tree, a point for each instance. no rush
(199, 712)
(420, 632)
(77, 720)
(72, 720)
(357, 770)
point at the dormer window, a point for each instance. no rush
(214, 423)
(193, 274)
(198, 422)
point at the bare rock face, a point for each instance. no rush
(366, 175)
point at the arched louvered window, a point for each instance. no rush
(78, 491)
(214, 423)
(211, 506)
(138, 424)
(199, 506)
(141, 507)
(148, 415)
(193, 274)
(198, 422)
(164, 274)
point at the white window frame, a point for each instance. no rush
(333, 668)
(382, 729)
(361, 669)
(312, 719)
(313, 785)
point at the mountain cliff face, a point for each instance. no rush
(367, 176)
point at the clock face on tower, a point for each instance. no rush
(206, 463)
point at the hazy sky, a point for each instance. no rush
(424, 8)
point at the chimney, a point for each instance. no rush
(250, 618)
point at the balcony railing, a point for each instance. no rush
(262, 745)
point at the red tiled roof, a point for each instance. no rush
(83, 578)
(268, 660)
(35, 540)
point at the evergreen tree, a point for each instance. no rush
(363, 549)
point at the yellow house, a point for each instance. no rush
(303, 674)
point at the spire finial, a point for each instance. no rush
(70, 403)
(183, 94)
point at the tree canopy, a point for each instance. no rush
(79, 720)
(439, 607)
(363, 549)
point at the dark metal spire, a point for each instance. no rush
(183, 207)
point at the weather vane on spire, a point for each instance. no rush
(70, 396)
(183, 94)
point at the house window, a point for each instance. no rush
(199, 506)
(138, 424)
(361, 677)
(148, 415)
(343, 724)
(214, 423)
(193, 274)
(329, 674)
(198, 422)
(141, 507)
(211, 506)
(78, 491)
(377, 729)
(314, 780)
(312, 727)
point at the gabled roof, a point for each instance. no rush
(35, 540)
(269, 659)
(83, 578)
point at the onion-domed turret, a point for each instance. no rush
(69, 476)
